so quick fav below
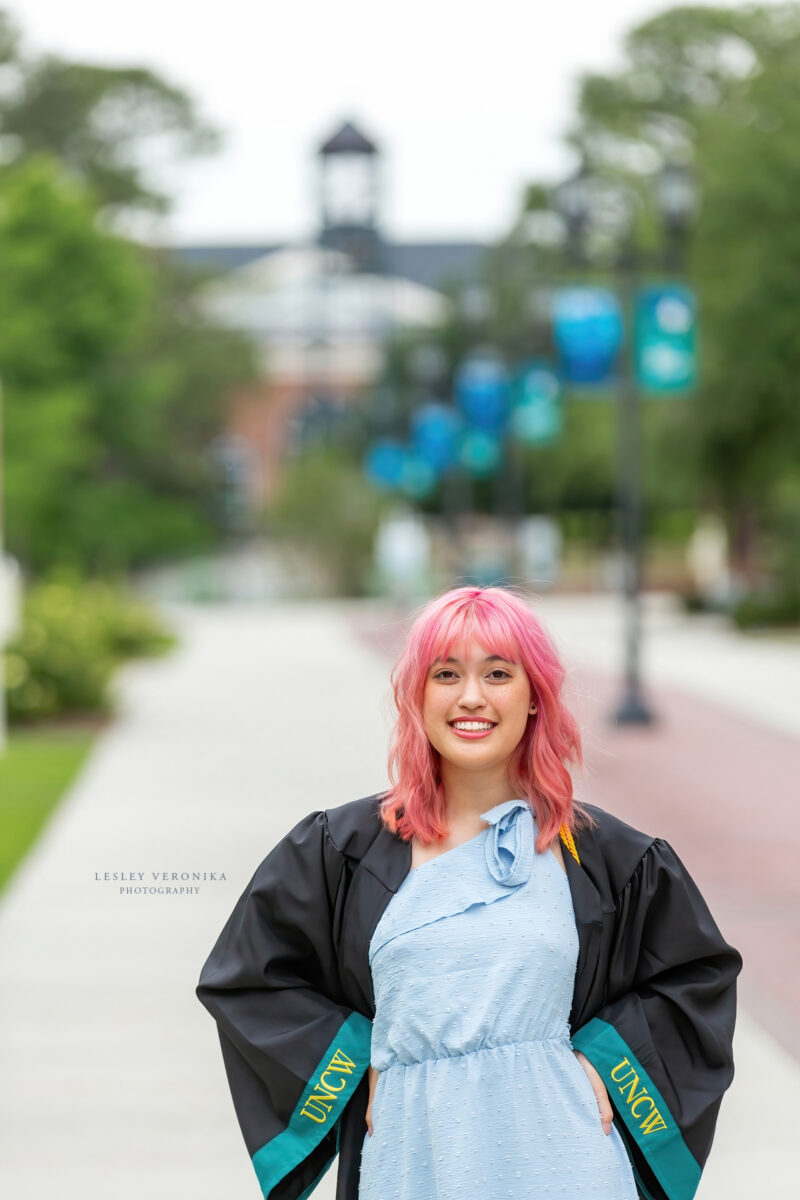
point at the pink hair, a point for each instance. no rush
(502, 622)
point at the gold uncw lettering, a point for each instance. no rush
(315, 1109)
(330, 1086)
(654, 1120)
(319, 1104)
(341, 1062)
(642, 1096)
(632, 1095)
(617, 1078)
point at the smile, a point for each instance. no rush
(472, 729)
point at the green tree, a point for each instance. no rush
(113, 385)
(99, 122)
(68, 295)
(326, 505)
(722, 87)
(115, 381)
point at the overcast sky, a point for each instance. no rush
(466, 101)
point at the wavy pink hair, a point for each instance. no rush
(503, 623)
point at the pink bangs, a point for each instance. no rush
(503, 622)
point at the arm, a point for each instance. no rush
(604, 1108)
(663, 1041)
(293, 1050)
(373, 1081)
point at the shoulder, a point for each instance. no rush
(347, 830)
(621, 846)
(317, 845)
(353, 827)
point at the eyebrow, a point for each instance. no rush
(489, 658)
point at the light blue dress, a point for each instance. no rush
(479, 1092)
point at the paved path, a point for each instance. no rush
(111, 1081)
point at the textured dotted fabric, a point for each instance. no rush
(479, 1093)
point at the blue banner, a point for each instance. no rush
(385, 462)
(588, 331)
(393, 466)
(482, 392)
(434, 434)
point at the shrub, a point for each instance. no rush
(755, 612)
(72, 636)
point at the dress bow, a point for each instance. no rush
(509, 843)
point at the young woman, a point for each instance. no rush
(471, 985)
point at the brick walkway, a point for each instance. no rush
(723, 793)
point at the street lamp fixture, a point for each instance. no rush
(676, 199)
(573, 203)
(676, 192)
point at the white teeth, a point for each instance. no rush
(472, 726)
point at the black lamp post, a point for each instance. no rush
(675, 195)
(677, 201)
(572, 198)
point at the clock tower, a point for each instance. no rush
(348, 197)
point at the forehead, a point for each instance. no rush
(473, 651)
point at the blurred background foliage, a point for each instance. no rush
(114, 380)
(718, 89)
(326, 505)
(73, 634)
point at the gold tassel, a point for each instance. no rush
(569, 842)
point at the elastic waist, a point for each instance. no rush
(562, 1039)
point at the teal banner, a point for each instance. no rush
(664, 339)
(536, 404)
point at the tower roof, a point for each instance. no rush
(348, 140)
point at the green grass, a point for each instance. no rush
(35, 771)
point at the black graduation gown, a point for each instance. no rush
(289, 986)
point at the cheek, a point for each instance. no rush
(517, 711)
(430, 713)
(516, 698)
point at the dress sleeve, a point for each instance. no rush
(663, 1040)
(293, 1051)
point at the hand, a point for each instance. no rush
(599, 1089)
(373, 1079)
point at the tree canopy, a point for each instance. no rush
(102, 124)
(115, 382)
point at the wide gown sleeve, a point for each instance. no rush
(663, 1041)
(294, 1052)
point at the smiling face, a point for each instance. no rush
(476, 707)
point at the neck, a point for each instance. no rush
(469, 793)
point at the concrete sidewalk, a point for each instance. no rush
(111, 1076)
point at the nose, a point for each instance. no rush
(472, 693)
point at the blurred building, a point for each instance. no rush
(319, 311)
